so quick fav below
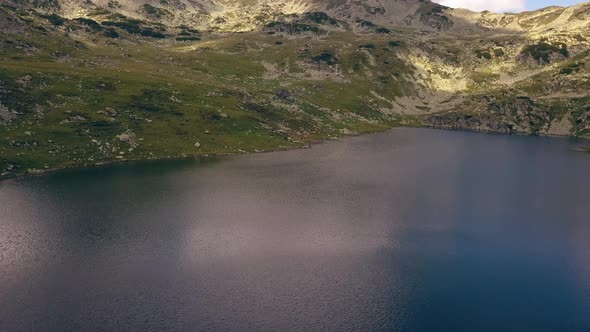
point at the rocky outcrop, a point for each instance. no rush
(6, 115)
(543, 53)
(431, 15)
(519, 115)
(475, 122)
(242, 15)
(10, 23)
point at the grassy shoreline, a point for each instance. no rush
(302, 145)
(308, 143)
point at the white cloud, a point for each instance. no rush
(491, 5)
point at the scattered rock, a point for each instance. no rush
(6, 115)
(197, 145)
(283, 94)
(128, 137)
(24, 81)
(35, 171)
(124, 138)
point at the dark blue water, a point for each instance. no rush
(411, 230)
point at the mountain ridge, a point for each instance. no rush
(235, 16)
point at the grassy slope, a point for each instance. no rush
(169, 96)
(224, 91)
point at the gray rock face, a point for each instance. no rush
(10, 24)
(518, 115)
(432, 15)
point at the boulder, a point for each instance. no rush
(283, 94)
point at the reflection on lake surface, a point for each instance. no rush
(410, 230)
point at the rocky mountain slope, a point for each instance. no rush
(94, 81)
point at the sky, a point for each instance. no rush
(506, 5)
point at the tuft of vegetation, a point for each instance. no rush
(366, 24)
(291, 28)
(134, 26)
(189, 38)
(90, 23)
(320, 18)
(571, 68)
(114, 4)
(542, 51)
(153, 34)
(54, 19)
(154, 11)
(150, 9)
(489, 53)
(111, 33)
(326, 57)
(131, 25)
(483, 54)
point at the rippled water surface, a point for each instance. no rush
(410, 230)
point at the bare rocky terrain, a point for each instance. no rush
(95, 81)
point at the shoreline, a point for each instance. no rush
(307, 145)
